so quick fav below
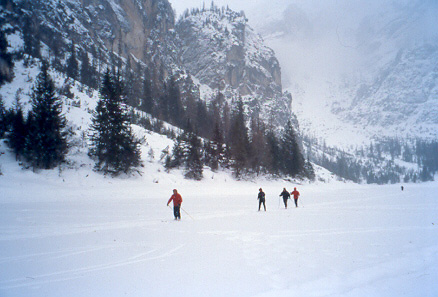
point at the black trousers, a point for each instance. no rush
(177, 211)
(285, 202)
(296, 202)
(260, 203)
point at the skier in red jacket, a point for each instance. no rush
(177, 200)
(296, 194)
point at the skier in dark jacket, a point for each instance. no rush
(286, 196)
(177, 200)
(261, 198)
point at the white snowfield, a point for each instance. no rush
(93, 236)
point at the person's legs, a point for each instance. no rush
(285, 202)
(178, 212)
(296, 202)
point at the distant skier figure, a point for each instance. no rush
(177, 200)
(402, 188)
(261, 198)
(296, 194)
(286, 196)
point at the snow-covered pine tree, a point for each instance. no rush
(46, 144)
(178, 153)
(113, 144)
(309, 170)
(181, 146)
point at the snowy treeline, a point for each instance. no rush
(224, 12)
(227, 142)
(389, 160)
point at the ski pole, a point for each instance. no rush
(187, 213)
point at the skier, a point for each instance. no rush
(286, 196)
(295, 193)
(261, 198)
(177, 200)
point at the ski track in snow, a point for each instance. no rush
(78, 273)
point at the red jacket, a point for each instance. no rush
(177, 199)
(295, 193)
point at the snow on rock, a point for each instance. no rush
(222, 51)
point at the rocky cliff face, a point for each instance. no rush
(129, 28)
(223, 52)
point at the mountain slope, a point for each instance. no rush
(224, 53)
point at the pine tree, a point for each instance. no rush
(194, 166)
(309, 170)
(17, 137)
(31, 38)
(147, 102)
(178, 152)
(216, 148)
(6, 62)
(87, 73)
(174, 105)
(113, 144)
(46, 144)
(292, 158)
(3, 120)
(203, 122)
(239, 140)
(72, 63)
(274, 153)
(258, 156)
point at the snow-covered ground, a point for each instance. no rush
(76, 233)
(72, 232)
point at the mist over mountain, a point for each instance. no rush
(370, 69)
(357, 70)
